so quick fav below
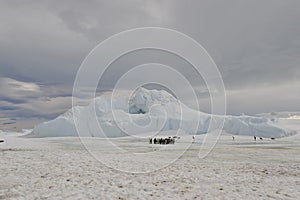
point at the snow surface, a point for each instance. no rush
(61, 168)
(148, 111)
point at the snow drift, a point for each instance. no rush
(148, 111)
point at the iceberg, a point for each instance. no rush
(150, 111)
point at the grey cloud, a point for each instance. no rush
(8, 108)
(25, 99)
(250, 35)
(262, 37)
(284, 97)
(17, 91)
(50, 38)
(256, 44)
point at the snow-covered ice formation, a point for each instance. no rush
(148, 111)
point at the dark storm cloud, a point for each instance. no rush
(256, 44)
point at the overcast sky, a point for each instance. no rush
(255, 44)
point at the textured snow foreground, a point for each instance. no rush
(61, 168)
(148, 111)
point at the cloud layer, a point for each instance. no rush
(256, 45)
(23, 99)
